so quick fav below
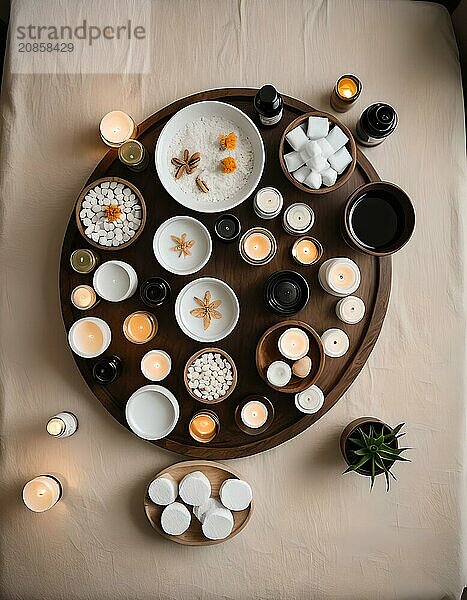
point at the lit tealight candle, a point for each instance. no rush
(298, 219)
(293, 343)
(204, 426)
(279, 373)
(62, 425)
(117, 127)
(89, 337)
(41, 493)
(258, 246)
(83, 297)
(345, 92)
(254, 414)
(268, 203)
(307, 251)
(350, 310)
(140, 327)
(310, 400)
(339, 276)
(83, 260)
(133, 155)
(156, 365)
(336, 342)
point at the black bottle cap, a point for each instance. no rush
(268, 95)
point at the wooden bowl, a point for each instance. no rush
(267, 352)
(217, 474)
(79, 223)
(351, 147)
(192, 360)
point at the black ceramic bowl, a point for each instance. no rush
(286, 293)
(155, 292)
(378, 219)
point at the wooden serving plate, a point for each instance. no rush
(217, 474)
(248, 283)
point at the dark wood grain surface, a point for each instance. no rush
(246, 280)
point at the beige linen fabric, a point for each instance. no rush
(315, 534)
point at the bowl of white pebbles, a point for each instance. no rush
(210, 375)
(110, 213)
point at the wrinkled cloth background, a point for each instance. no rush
(314, 534)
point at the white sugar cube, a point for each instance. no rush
(317, 163)
(312, 149)
(340, 160)
(318, 127)
(301, 174)
(337, 138)
(329, 177)
(293, 161)
(326, 148)
(313, 180)
(296, 138)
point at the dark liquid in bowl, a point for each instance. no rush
(377, 221)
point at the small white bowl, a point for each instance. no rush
(115, 281)
(192, 326)
(163, 245)
(106, 334)
(152, 412)
(191, 113)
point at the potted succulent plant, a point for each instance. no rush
(370, 447)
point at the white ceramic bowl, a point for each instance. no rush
(152, 412)
(115, 281)
(192, 113)
(163, 245)
(192, 326)
(74, 341)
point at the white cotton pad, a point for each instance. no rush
(195, 488)
(318, 127)
(163, 490)
(326, 148)
(302, 173)
(313, 180)
(336, 138)
(340, 160)
(175, 518)
(317, 163)
(235, 494)
(329, 177)
(201, 511)
(293, 161)
(218, 524)
(297, 138)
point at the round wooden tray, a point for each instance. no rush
(246, 280)
(217, 474)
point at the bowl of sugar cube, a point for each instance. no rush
(317, 153)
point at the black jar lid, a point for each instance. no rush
(380, 119)
(227, 228)
(154, 292)
(106, 369)
(286, 292)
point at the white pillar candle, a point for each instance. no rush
(310, 400)
(117, 127)
(195, 488)
(293, 343)
(115, 280)
(339, 276)
(156, 365)
(163, 490)
(254, 414)
(350, 310)
(175, 518)
(89, 337)
(235, 494)
(298, 219)
(41, 493)
(62, 425)
(268, 203)
(218, 524)
(279, 373)
(257, 246)
(335, 342)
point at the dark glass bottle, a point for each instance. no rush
(155, 292)
(106, 369)
(376, 123)
(269, 105)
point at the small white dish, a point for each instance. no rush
(115, 281)
(76, 336)
(152, 412)
(163, 245)
(191, 113)
(193, 326)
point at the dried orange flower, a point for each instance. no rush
(112, 212)
(228, 142)
(229, 164)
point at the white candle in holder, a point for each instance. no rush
(298, 219)
(310, 400)
(335, 342)
(41, 493)
(268, 203)
(62, 425)
(350, 310)
(339, 276)
(254, 414)
(89, 337)
(156, 365)
(117, 127)
(279, 373)
(293, 343)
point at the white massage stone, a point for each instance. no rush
(313, 180)
(340, 160)
(318, 127)
(317, 163)
(293, 161)
(218, 524)
(329, 177)
(175, 518)
(337, 138)
(301, 174)
(235, 494)
(326, 148)
(195, 488)
(163, 490)
(297, 138)
(201, 511)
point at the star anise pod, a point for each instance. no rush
(183, 245)
(187, 164)
(207, 310)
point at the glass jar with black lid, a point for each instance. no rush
(376, 123)
(269, 105)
